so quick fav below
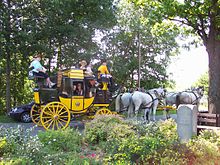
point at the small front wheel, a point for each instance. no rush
(103, 111)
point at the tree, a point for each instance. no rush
(156, 46)
(54, 27)
(203, 81)
(203, 17)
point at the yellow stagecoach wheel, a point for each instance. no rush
(54, 116)
(103, 111)
(35, 114)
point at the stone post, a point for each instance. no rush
(186, 121)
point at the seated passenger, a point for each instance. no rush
(39, 70)
(88, 70)
(83, 64)
(78, 90)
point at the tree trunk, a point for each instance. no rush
(213, 49)
(8, 59)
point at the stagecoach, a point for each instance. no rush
(54, 107)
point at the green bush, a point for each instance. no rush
(14, 161)
(3, 144)
(106, 127)
(206, 147)
(115, 140)
(61, 140)
(146, 140)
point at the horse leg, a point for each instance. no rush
(136, 111)
(167, 112)
(146, 115)
(154, 109)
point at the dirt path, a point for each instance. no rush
(73, 124)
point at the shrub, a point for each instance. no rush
(61, 140)
(3, 144)
(206, 147)
(106, 127)
(147, 140)
(164, 131)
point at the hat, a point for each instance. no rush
(38, 55)
(83, 62)
(103, 60)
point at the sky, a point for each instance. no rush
(187, 67)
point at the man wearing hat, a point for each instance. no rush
(83, 64)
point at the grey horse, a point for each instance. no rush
(133, 102)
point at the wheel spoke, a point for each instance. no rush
(61, 123)
(64, 116)
(38, 117)
(46, 117)
(49, 124)
(49, 110)
(57, 124)
(62, 113)
(53, 127)
(47, 113)
(35, 114)
(35, 110)
(48, 121)
(53, 106)
(60, 110)
(63, 120)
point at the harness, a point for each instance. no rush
(197, 98)
(153, 99)
(194, 102)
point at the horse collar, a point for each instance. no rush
(150, 95)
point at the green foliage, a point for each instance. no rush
(3, 144)
(105, 127)
(62, 30)
(122, 143)
(206, 147)
(63, 140)
(203, 81)
(145, 143)
(6, 119)
(157, 44)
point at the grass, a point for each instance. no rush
(6, 119)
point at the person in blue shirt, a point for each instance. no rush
(39, 70)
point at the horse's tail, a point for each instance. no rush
(131, 108)
(118, 103)
(177, 100)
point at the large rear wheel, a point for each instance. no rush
(35, 114)
(54, 116)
